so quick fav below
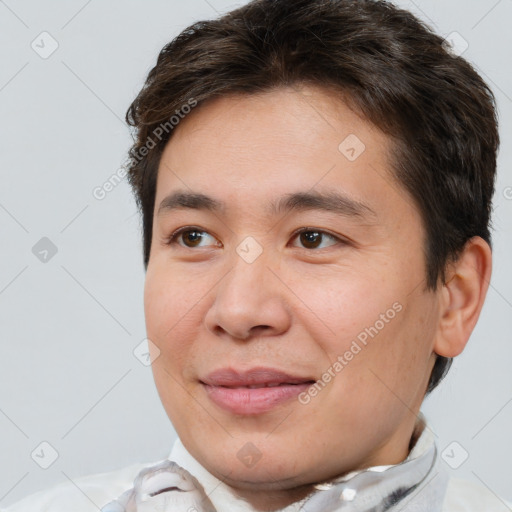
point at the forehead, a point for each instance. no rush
(292, 121)
(249, 149)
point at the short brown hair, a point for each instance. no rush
(392, 68)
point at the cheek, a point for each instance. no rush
(393, 365)
(382, 334)
(171, 322)
(170, 299)
(343, 307)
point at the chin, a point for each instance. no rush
(269, 472)
(261, 480)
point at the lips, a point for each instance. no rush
(253, 391)
(255, 377)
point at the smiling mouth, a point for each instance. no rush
(254, 391)
(254, 377)
(267, 385)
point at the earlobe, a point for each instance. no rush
(462, 297)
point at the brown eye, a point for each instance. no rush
(313, 239)
(191, 237)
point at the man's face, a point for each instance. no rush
(332, 292)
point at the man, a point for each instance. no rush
(315, 179)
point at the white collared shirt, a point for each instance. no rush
(91, 493)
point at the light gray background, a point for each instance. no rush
(69, 326)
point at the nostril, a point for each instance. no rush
(260, 327)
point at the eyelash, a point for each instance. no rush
(173, 238)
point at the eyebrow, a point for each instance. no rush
(196, 201)
(332, 201)
(298, 201)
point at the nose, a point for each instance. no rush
(249, 301)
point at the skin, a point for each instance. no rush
(297, 307)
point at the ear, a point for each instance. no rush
(462, 297)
